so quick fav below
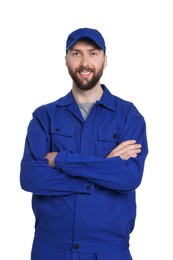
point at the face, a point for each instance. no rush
(85, 63)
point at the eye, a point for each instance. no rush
(93, 53)
(75, 53)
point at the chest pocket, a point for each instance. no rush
(62, 137)
(107, 140)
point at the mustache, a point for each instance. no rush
(86, 68)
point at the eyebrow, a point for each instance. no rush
(89, 50)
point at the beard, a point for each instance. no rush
(84, 84)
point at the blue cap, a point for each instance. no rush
(85, 34)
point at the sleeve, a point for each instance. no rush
(36, 175)
(112, 173)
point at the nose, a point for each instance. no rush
(85, 60)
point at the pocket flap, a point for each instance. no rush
(108, 134)
(66, 130)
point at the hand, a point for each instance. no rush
(126, 150)
(51, 157)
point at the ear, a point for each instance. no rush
(105, 61)
(66, 60)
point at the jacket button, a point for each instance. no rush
(114, 136)
(75, 246)
(57, 129)
(88, 187)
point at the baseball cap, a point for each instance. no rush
(86, 34)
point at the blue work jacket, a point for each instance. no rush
(87, 202)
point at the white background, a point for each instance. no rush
(139, 39)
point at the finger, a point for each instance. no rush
(128, 150)
(124, 149)
(129, 154)
(124, 144)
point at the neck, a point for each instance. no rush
(88, 96)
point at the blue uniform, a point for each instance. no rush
(85, 207)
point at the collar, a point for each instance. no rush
(107, 99)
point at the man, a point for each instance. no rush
(83, 160)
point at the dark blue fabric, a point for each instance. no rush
(87, 203)
(42, 251)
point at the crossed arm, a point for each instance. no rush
(125, 150)
(121, 169)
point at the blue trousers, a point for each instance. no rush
(42, 251)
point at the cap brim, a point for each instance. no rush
(89, 38)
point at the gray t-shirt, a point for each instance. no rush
(85, 109)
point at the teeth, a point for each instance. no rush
(85, 72)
